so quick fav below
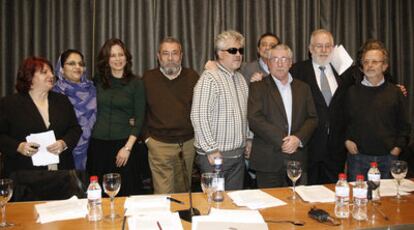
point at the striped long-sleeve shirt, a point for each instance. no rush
(219, 111)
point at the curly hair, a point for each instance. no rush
(103, 68)
(27, 71)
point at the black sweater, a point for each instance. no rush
(378, 118)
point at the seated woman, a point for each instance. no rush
(35, 109)
(73, 82)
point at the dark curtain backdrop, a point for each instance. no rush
(47, 27)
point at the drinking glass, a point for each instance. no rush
(294, 171)
(207, 184)
(112, 184)
(6, 192)
(399, 171)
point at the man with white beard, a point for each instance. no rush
(326, 153)
(168, 130)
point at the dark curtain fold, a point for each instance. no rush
(47, 27)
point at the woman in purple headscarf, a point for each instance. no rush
(72, 81)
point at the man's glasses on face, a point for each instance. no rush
(234, 50)
(283, 60)
(321, 46)
(373, 62)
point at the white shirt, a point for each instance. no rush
(286, 94)
(333, 85)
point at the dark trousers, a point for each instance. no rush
(233, 170)
(323, 173)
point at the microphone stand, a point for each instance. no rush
(186, 214)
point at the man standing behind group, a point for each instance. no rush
(258, 69)
(169, 133)
(378, 126)
(327, 154)
(219, 112)
(282, 116)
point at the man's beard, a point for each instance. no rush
(172, 69)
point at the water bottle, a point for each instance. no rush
(374, 175)
(342, 197)
(218, 181)
(359, 212)
(94, 200)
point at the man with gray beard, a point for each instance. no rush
(168, 130)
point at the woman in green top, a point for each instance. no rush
(121, 105)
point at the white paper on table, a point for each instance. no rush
(315, 193)
(72, 208)
(229, 219)
(145, 203)
(148, 220)
(43, 157)
(340, 59)
(388, 187)
(254, 199)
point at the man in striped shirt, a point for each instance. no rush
(219, 112)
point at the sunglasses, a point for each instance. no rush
(234, 50)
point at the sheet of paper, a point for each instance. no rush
(229, 219)
(145, 203)
(315, 193)
(254, 199)
(72, 208)
(340, 59)
(388, 187)
(150, 220)
(43, 157)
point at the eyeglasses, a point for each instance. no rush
(321, 46)
(73, 63)
(279, 59)
(373, 62)
(234, 50)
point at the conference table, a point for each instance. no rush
(400, 214)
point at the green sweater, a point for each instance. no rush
(116, 106)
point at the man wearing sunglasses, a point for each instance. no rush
(282, 116)
(219, 112)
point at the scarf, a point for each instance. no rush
(83, 98)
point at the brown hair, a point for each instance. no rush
(27, 70)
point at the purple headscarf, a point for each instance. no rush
(83, 98)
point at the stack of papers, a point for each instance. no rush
(62, 210)
(219, 219)
(254, 199)
(388, 187)
(141, 204)
(151, 212)
(43, 157)
(315, 193)
(340, 59)
(164, 220)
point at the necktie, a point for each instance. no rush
(326, 91)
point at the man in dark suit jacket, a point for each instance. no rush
(282, 116)
(327, 153)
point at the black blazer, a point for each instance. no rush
(327, 142)
(268, 121)
(19, 117)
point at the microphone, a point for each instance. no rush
(186, 214)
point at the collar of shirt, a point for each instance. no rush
(280, 84)
(171, 77)
(286, 94)
(365, 82)
(222, 68)
(264, 66)
(333, 84)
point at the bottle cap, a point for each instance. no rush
(360, 177)
(342, 176)
(374, 164)
(218, 161)
(93, 179)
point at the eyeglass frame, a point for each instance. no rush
(234, 50)
(73, 64)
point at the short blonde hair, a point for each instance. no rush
(223, 37)
(281, 46)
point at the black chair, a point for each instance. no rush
(36, 185)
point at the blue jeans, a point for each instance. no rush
(360, 164)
